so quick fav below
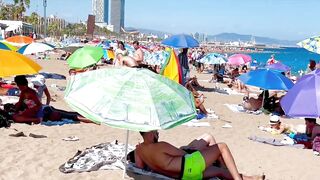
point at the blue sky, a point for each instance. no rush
(282, 19)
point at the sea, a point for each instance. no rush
(296, 58)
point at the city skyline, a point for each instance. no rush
(285, 19)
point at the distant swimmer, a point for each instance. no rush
(138, 54)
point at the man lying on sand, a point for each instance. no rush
(166, 159)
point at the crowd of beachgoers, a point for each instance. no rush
(203, 157)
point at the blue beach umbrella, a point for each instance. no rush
(266, 79)
(181, 41)
(213, 58)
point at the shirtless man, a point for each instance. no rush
(138, 54)
(166, 159)
(28, 106)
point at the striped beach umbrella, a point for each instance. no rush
(35, 48)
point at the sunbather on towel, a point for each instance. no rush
(166, 159)
(252, 104)
(50, 113)
(277, 127)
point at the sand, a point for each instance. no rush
(31, 158)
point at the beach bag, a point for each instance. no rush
(4, 119)
(316, 144)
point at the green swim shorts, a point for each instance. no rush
(193, 166)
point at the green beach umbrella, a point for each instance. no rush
(85, 57)
(130, 98)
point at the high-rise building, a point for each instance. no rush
(100, 9)
(110, 12)
(117, 10)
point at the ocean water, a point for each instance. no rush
(296, 58)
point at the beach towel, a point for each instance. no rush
(59, 123)
(50, 76)
(238, 108)
(235, 108)
(232, 92)
(105, 156)
(195, 123)
(131, 168)
(275, 142)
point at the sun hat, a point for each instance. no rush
(274, 119)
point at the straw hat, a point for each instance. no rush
(274, 119)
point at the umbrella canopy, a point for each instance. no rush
(130, 98)
(85, 57)
(303, 100)
(20, 39)
(311, 44)
(13, 63)
(266, 79)
(181, 41)
(35, 47)
(213, 58)
(279, 66)
(7, 46)
(239, 59)
(156, 58)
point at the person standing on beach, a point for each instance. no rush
(138, 54)
(183, 60)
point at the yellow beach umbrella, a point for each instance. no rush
(13, 63)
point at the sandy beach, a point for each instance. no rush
(31, 158)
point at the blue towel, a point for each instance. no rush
(201, 116)
(59, 123)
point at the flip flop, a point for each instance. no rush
(37, 136)
(19, 134)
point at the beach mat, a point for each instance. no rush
(274, 142)
(59, 123)
(105, 156)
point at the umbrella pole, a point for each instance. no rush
(125, 154)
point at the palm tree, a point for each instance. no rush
(21, 7)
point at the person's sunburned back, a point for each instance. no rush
(157, 157)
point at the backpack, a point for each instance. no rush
(4, 119)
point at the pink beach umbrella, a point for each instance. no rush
(239, 59)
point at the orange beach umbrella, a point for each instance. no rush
(20, 39)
